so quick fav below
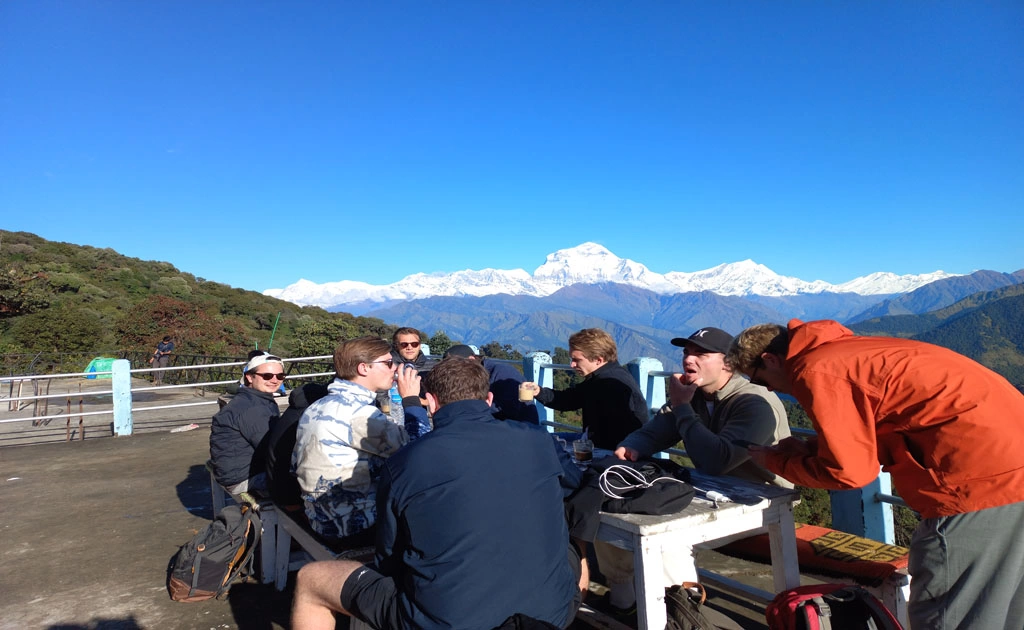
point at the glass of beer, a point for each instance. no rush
(583, 450)
(526, 392)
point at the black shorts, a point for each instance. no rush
(373, 598)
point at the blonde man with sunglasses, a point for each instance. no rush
(342, 440)
(406, 350)
(237, 430)
(406, 347)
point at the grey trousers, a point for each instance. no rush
(967, 571)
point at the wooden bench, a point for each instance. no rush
(312, 547)
(834, 556)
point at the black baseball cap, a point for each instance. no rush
(710, 339)
(460, 350)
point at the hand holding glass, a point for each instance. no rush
(526, 391)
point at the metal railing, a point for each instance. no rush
(865, 512)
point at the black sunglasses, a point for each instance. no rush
(390, 363)
(408, 344)
(270, 375)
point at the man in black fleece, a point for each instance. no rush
(609, 396)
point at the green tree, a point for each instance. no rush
(439, 343)
(63, 328)
(194, 330)
(22, 292)
(496, 350)
(317, 337)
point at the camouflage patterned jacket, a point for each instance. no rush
(341, 443)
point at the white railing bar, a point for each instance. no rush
(178, 406)
(157, 388)
(318, 374)
(33, 377)
(60, 415)
(107, 392)
(890, 499)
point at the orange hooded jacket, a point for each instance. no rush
(949, 430)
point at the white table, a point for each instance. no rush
(754, 509)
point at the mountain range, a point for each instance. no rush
(59, 298)
(588, 286)
(588, 263)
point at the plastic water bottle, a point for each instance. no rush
(397, 413)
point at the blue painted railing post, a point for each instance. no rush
(533, 370)
(653, 388)
(859, 511)
(121, 380)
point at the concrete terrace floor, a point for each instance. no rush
(88, 529)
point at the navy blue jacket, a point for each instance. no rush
(505, 381)
(236, 435)
(471, 524)
(611, 403)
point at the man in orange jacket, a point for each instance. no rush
(948, 430)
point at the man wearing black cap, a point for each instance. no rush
(504, 384)
(713, 411)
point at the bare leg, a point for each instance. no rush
(318, 594)
(581, 546)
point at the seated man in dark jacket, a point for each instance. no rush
(609, 396)
(504, 384)
(281, 481)
(239, 428)
(451, 551)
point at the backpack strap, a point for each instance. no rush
(879, 613)
(195, 574)
(253, 532)
(695, 589)
(824, 613)
(816, 613)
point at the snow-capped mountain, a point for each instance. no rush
(591, 263)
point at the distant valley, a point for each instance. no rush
(588, 286)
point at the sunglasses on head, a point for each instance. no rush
(408, 344)
(270, 375)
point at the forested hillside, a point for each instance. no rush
(987, 326)
(59, 297)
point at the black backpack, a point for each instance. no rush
(671, 493)
(206, 566)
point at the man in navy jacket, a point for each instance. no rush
(504, 385)
(471, 528)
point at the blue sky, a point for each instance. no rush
(256, 143)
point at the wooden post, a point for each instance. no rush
(81, 418)
(121, 379)
(46, 401)
(534, 370)
(859, 512)
(652, 387)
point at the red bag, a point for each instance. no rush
(829, 607)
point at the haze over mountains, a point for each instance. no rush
(588, 286)
(588, 263)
